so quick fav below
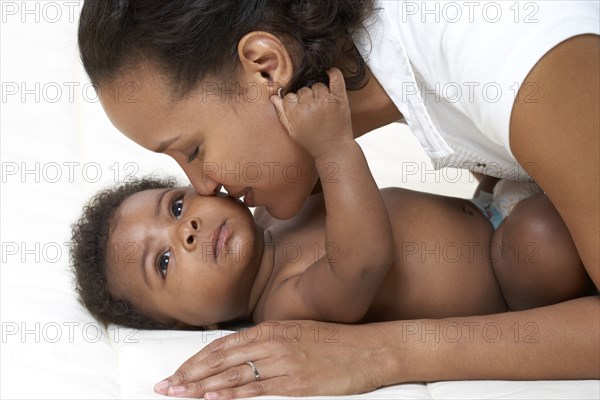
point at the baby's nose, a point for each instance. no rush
(188, 232)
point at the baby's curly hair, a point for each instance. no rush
(89, 249)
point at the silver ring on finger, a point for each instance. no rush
(254, 370)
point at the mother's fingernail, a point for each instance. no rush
(176, 390)
(211, 396)
(161, 386)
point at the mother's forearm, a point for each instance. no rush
(555, 342)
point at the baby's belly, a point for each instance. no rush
(443, 259)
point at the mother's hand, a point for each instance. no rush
(294, 358)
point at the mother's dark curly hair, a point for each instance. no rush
(89, 251)
(192, 39)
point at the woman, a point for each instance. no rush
(502, 90)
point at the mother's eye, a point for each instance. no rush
(194, 154)
(177, 207)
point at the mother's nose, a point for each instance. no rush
(207, 187)
(188, 231)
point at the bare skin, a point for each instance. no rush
(559, 134)
(345, 266)
(423, 281)
(437, 271)
(567, 345)
(323, 359)
(528, 276)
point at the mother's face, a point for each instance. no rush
(217, 137)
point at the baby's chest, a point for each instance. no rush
(297, 246)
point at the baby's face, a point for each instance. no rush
(181, 257)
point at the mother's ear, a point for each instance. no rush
(265, 60)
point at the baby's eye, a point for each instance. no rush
(177, 207)
(163, 262)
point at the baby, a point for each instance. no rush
(149, 254)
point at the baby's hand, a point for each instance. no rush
(317, 118)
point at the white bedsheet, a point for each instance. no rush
(58, 148)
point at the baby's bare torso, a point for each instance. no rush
(442, 264)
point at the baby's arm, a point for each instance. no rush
(359, 244)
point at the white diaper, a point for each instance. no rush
(508, 193)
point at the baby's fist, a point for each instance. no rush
(317, 118)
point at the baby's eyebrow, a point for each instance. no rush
(143, 261)
(159, 202)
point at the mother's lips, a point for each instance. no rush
(249, 198)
